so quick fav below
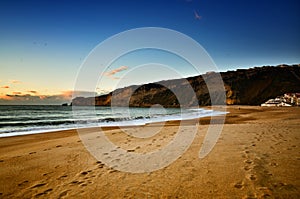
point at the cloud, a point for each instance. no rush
(111, 73)
(5, 87)
(33, 92)
(102, 91)
(197, 16)
(5, 98)
(17, 93)
(33, 97)
(15, 82)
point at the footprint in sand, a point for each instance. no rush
(244, 156)
(43, 193)
(287, 187)
(267, 193)
(23, 183)
(247, 168)
(112, 171)
(250, 196)
(64, 193)
(62, 177)
(77, 182)
(251, 177)
(85, 172)
(266, 172)
(248, 161)
(49, 149)
(273, 164)
(239, 185)
(38, 185)
(101, 165)
(116, 160)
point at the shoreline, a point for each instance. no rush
(139, 122)
(256, 156)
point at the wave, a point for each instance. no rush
(19, 126)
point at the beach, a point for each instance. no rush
(256, 156)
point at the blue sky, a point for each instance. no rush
(43, 43)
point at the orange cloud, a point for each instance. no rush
(15, 82)
(17, 93)
(111, 73)
(35, 98)
(5, 87)
(5, 97)
(33, 92)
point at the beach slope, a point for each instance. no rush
(256, 156)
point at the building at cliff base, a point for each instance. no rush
(288, 99)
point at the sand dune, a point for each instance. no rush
(257, 156)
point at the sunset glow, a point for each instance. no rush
(44, 43)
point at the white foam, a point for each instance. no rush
(186, 115)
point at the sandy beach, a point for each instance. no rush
(256, 156)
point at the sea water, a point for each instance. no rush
(20, 120)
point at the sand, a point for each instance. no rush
(256, 156)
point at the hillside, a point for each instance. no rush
(243, 87)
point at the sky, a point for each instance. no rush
(43, 44)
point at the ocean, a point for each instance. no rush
(22, 120)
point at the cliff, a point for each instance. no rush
(243, 87)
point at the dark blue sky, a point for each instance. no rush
(236, 33)
(41, 39)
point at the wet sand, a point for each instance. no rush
(256, 156)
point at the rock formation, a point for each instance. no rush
(243, 87)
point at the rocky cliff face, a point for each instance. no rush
(243, 87)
